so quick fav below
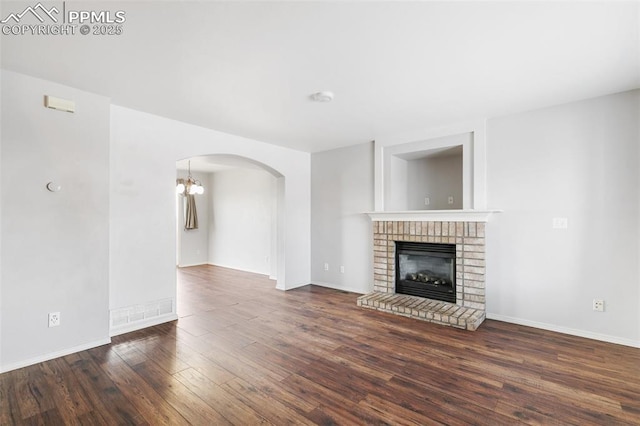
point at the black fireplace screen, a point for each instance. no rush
(426, 270)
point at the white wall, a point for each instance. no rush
(193, 244)
(578, 161)
(341, 232)
(106, 244)
(396, 194)
(54, 245)
(436, 178)
(144, 149)
(1, 204)
(242, 203)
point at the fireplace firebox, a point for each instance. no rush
(426, 270)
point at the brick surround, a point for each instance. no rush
(469, 237)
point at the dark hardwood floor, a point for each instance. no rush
(244, 353)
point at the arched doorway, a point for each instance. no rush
(240, 222)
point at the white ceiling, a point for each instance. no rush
(216, 163)
(248, 68)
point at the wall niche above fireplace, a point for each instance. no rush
(438, 169)
(428, 180)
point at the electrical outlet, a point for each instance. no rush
(326, 266)
(598, 305)
(427, 201)
(54, 319)
(450, 199)
(342, 269)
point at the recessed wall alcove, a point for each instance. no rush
(427, 180)
(436, 164)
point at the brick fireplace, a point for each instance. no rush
(469, 238)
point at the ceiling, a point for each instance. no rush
(432, 154)
(248, 68)
(216, 163)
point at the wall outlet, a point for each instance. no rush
(598, 305)
(450, 199)
(427, 201)
(342, 269)
(326, 266)
(54, 319)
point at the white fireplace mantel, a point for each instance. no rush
(434, 216)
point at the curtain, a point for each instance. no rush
(190, 213)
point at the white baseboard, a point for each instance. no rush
(139, 325)
(238, 269)
(294, 286)
(53, 355)
(566, 330)
(339, 287)
(188, 265)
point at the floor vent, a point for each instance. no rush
(132, 314)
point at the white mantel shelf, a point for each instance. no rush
(434, 216)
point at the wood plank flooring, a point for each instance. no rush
(243, 353)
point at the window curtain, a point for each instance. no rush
(190, 213)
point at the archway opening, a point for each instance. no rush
(240, 223)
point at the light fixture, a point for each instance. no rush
(189, 186)
(324, 96)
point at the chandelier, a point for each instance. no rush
(189, 186)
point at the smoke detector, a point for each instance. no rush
(324, 96)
